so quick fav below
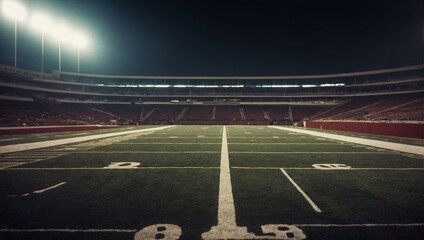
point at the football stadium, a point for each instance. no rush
(211, 120)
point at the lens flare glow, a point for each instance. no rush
(79, 40)
(42, 22)
(14, 10)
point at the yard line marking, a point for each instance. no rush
(350, 169)
(255, 136)
(133, 143)
(49, 188)
(380, 153)
(363, 225)
(38, 191)
(36, 158)
(4, 165)
(226, 209)
(126, 152)
(178, 137)
(363, 141)
(191, 167)
(9, 139)
(99, 168)
(22, 160)
(51, 143)
(283, 143)
(313, 205)
(227, 227)
(68, 230)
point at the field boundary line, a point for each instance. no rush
(180, 137)
(57, 142)
(313, 205)
(363, 141)
(192, 167)
(99, 168)
(282, 143)
(314, 152)
(197, 143)
(311, 168)
(138, 152)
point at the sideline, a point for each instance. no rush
(375, 143)
(52, 143)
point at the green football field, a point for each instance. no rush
(211, 182)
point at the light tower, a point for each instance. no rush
(43, 24)
(62, 34)
(79, 40)
(16, 11)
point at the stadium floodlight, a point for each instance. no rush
(16, 11)
(61, 33)
(43, 24)
(79, 40)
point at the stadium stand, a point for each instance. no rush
(62, 98)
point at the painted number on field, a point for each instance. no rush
(331, 166)
(173, 232)
(159, 231)
(122, 165)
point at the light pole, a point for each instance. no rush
(62, 34)
(80, 42)
(16, 11)
(42, 23)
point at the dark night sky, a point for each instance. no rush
(227, 37)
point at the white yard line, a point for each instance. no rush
(313, 205)
(49, 188)
(51, 143)
(38, 191)
(9, 139)
(201, 168)
(227, 227)
(138, 152)
(226, 209)
(136, 143)
(283, 143)
(102, 168)
(375, 143)
(314, 152)
(178, 137)
(266, 137)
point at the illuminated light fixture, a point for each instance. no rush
(332, 84)
(16, 11)
(43, 24)
(62, 34)
(79, 40)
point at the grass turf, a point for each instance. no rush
(177, 194)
